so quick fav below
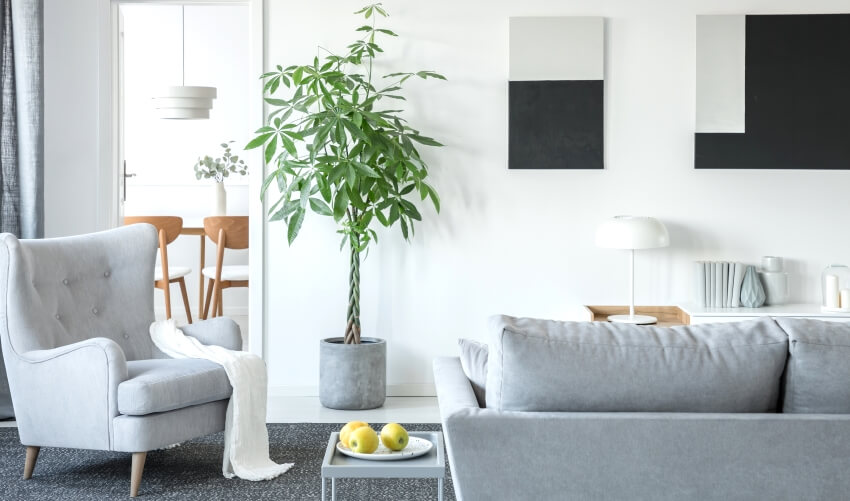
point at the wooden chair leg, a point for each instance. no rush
(185, 299)
(166, 291)
(209, 298)
(29, 466)
(136, 472)
(216, 295)
(220, 303)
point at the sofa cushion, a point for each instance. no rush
(473, 359)
(545, 365)
(817, 375)
(165, 384)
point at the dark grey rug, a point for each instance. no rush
(193, 471)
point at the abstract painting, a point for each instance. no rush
(773, 92)
(555, 93)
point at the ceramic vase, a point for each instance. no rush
(219, 202)
(774, 280)
(752, 292)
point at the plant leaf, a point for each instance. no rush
(320, 207)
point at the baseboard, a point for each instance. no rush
(177, 311)
(393, 390)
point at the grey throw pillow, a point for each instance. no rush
(473, 358)
(817, 377)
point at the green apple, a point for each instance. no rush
(394, 436)
(363, 440)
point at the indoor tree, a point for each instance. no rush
(338, 148)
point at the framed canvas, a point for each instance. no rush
(556, 93)
(773, 92)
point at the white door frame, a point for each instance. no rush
(108, 162)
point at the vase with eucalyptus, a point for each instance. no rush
(338, 148)
(218, 169)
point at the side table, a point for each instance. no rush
(431, 465)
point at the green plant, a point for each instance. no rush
(220, 168)
(336, 150)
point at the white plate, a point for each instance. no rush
(415, 448)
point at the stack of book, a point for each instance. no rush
(719, 284)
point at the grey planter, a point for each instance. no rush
(352, 376)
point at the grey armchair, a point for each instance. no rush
(82, 369)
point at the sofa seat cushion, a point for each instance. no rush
(544, 365)
(161, 385)
(817, 377)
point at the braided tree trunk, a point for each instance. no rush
(352, 328)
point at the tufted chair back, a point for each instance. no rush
(59, 291)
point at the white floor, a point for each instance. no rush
(309, 410)
(396, 409)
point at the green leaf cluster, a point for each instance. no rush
(221, 167)
(337, 148)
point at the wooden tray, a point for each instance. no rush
(667, 316)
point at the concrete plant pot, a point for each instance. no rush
(352, 376)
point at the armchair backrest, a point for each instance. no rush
(59, 291)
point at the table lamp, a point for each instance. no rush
(632, 232)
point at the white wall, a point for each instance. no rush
(512, 242)
(522, 242)
(72, 149)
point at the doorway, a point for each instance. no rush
(195, 44)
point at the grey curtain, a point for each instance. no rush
(21, 131)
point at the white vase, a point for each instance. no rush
(219, 206)
(775, 281)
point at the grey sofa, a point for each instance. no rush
(82, 369)
(752, 410)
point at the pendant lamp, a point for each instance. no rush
(184, 102)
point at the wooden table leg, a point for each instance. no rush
(201, 277)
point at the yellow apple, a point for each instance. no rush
(363, 440)
(394, 436)
(346, 430)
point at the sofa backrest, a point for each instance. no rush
(817, 377)
(59, 291)
(545, 365)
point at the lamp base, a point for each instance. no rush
(628, 319)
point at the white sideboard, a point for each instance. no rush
(704, 315)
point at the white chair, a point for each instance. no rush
(227, 232)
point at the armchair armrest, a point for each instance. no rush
(219, 331)
(68, 396)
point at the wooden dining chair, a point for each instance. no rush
(168, 228)
(227, 232)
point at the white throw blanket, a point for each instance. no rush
(246, 439)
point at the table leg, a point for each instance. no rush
(333, 489)
(201, 279)
(439, 489)
(323, 488)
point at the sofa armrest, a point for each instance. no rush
(219, 331)
(68, 396)
(454, 391)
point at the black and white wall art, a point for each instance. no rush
(773, 92)
(555, 93)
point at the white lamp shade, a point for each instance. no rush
(632, 232)
(184, 102)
